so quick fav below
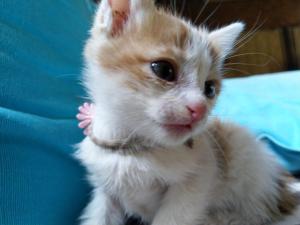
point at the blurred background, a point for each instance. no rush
(271, 42)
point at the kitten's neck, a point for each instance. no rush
(107, 126)
(110, 133)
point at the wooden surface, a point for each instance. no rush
(258, 56)
(297, 42)
(269, 14)
(273, 31)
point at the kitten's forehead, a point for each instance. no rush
(182, 40)
(164, 35)
(163, 28)
(169, 30)
(160, 36)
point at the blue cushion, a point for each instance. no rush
(270, 106)
(40, 65)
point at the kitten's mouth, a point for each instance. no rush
(178, 129)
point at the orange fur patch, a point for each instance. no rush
(219, 134)
(162, 36)
(287, 201)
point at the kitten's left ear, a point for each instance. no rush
(114, 15)
(223, 39)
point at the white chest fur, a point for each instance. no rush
(172, 186)
(139, 181)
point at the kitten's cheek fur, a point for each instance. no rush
(158, 112)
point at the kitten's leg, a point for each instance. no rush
(182, 205)
(102, 210)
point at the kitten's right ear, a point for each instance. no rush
(113, 15)
(223, 39)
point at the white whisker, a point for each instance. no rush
(212, 13)
(201, 11)
(237, 70)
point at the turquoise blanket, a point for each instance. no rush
(40, 66)
(270, 106)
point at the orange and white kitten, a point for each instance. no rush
(152, 150)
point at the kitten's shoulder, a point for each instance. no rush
(250, 172)
(225, 129)
(230, 143)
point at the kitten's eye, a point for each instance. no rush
(210, 89)
(164, 70)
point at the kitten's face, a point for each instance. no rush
(156, 71)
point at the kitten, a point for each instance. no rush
(152, 150)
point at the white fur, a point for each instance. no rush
(139, 181)
(172, 184)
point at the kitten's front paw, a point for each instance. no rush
(85, 117)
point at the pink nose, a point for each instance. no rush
(197, 111)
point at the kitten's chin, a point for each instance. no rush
(172, 141)
(174, 135)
